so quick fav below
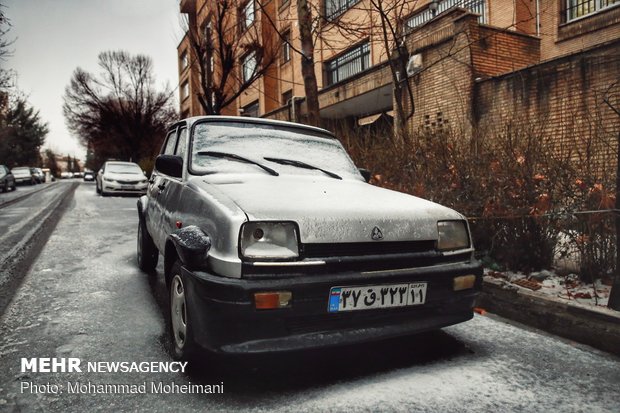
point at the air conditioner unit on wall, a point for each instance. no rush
(414, 64)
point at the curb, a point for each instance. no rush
(596, 327)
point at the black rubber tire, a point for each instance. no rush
(182, 346)
(147, 252)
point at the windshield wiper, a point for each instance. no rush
(301, 164)
(238, 158)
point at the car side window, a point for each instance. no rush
(171, 142)
(182, 145)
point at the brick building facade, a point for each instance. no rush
(475, 62)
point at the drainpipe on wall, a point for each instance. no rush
(293, 109)
(538, 18)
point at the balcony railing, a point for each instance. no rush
(354, 61)
(475, 6)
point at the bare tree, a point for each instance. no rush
(304, 16)
(119, 114)
(227, 56)
(5, 51)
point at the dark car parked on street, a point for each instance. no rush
(273, 240)
(7, 180)
(38, 175)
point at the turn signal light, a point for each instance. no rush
(271, 300)
(464, 282)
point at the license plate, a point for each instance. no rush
(126, 186)
(369, 297)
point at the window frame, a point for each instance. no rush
(424, 15)
(597, 6)
(247, 19)
(345, 58)
(286, 46)
(185, 90)
(244, 61)
(340, 7)
(249, 111)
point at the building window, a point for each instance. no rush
(248, 67)
(334, 8)
(286, 46)
(251, 110)
(286, 97)
(184, 60)
(575, 9)
(247, 15)
(185, 90)
(421, 17)
(353, 61)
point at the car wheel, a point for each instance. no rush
(97, 188)
(181, 335)
(147, 252)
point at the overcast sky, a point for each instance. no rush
(54, 37)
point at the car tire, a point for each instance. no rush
(97, 188)
(183, 346)
(147, 252)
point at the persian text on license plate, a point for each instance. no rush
(376, 296)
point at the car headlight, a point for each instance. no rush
(108, 179)
(453, 235)
(269, 240)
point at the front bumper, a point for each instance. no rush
(24, 180)
(124, 188)
(225, 320)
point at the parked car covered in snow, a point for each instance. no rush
(7, 180)
(273, 240)
(23, 175)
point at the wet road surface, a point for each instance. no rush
(84, 297)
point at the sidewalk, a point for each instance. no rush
(595, 326)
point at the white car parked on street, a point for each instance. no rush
(116, 177)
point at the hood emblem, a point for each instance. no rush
(376, 234)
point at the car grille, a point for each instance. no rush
(354, 249)
(335, 265)
(128, 182)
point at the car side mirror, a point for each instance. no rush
(365, 173)
(171, 165)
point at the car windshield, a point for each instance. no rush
(123, 168)
(21, 171)
(263, 144)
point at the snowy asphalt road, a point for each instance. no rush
(85, 297)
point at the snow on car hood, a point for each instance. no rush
(329, 210)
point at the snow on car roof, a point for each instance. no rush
(259, 121)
